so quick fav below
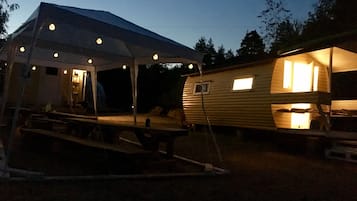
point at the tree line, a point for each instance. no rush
(279, 30)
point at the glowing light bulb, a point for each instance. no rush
(90, 61)
(52, 27)
(190, 66)
(99, 41)
(65, 72)
(55, 55)
(155, 57)
(22, 49)
(124, 67)
(34, 68)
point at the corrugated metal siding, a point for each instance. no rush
(232, 108)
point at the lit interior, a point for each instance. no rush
(243, 83)
(300, 120)
(288, 65)
(300, 77)
(78, 75)
(316, 78)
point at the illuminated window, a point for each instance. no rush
(316, 78)
(243, 84)
(201, 88)
(301, 120)
(300, 77)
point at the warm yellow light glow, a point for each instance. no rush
(78, 76)
(52, 27)
(22, 49)
(302, 77)
(300, 120)
(155, 57)
(65, 72)
(288, 65)
(316, 78)
(34, 68)
(243, 83)
(90, 61)
(5, 63)
(99, 41)
(124, 67)
(190, 66)
(55, 55)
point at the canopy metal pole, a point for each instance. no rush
(26, 75)
(134, 87)
(94, 90)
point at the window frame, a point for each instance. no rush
(241, 78)
(207, 91)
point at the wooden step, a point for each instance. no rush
(344, 153)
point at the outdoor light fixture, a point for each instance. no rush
(65, 72)
(52, 27)
(190, 66)
(155, 57)
(99, 41)
(34, 68)
(22, 49)
(55, 55)
(124, 67)
(90, 61)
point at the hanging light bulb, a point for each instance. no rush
(22, 49)
(52, 27)
(190, 66)
(65, 72)
(55, 55)
(155, 56)
(99, 41)
(124, 67)
(90, 61)
(34, 68)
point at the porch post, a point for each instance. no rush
(94, 89)
(134, 69)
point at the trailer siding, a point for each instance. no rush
(225, 107)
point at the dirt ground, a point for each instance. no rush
(263, 166)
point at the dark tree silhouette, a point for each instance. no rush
(274, 14)
(331, 17)
(207, 48)
(252, 47)
(287, 34)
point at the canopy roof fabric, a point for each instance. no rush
(75, 34)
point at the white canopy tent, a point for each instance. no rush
(87, 39)
(79, 35)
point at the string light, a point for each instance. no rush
(90, 61)
(52, 27)
(55, 55)
(190, 66)
(22, 49)
(124, 67)
(155, 57)
(99, 41)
